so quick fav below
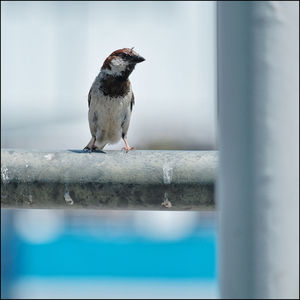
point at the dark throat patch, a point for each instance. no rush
(114, 86)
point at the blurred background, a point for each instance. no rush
(111, 254)
(50, 54)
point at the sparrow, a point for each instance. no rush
(110, 100)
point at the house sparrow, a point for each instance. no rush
(110, 100)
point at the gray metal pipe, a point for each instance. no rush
(146, 180)
(258, 181)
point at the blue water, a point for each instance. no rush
(103, 254)
(126, 256)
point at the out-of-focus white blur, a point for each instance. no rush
(52, 51)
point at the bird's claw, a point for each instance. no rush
(128, 148)
(93, 149)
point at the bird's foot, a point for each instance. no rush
(89, 149)
(128, 148)
(93, 149)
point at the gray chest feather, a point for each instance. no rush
(108, 114)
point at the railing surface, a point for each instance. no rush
(146, 180)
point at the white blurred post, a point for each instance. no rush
(257, 188)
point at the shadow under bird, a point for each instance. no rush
(111, 99)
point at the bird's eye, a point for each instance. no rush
(124, 55)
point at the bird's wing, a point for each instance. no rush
(89, 97)
(126, 121)
(132, 102)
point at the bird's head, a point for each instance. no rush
(121, 63)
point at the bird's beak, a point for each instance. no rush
(137, 59)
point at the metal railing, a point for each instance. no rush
(146, 180)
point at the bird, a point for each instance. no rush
(111, 99)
